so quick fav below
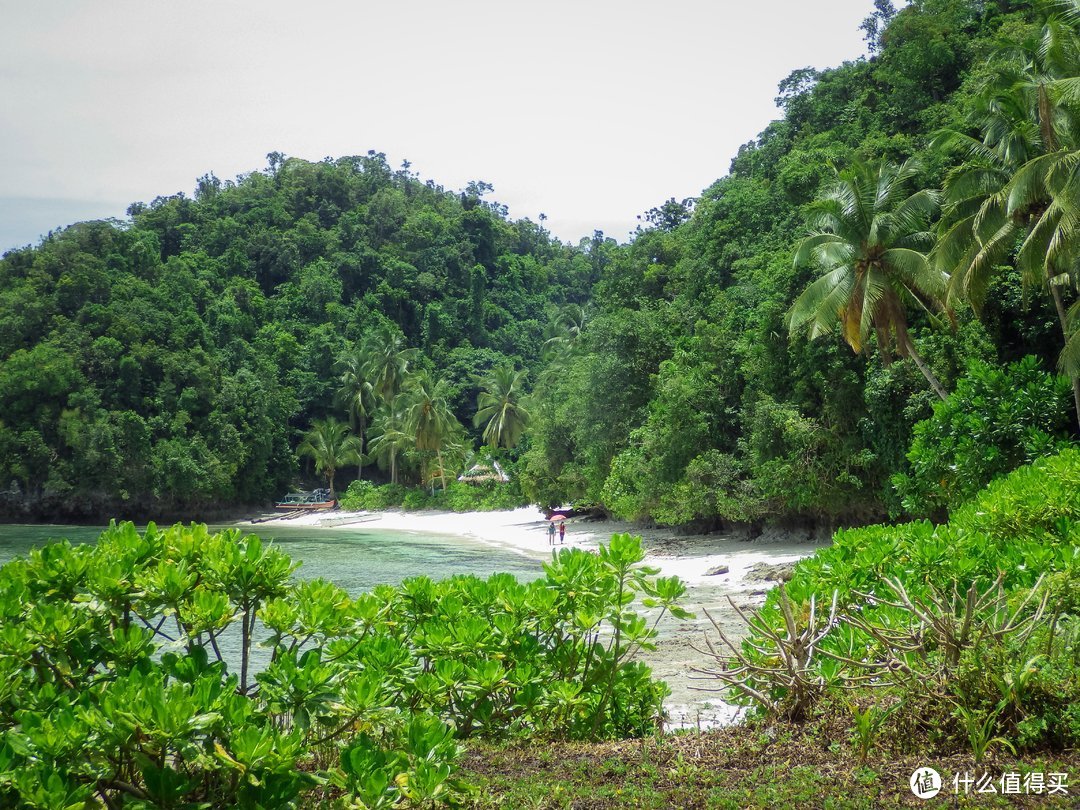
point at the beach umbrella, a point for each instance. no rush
(557, 517)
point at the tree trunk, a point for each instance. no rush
(442, 471)
(1059, 305)
(916, 358)
(360, 463)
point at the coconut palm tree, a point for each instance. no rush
(331, 446)
(427, 415)
(869, 240)
(388, 440)
(386, 360)
(355, 394)
(976, 232)
(1020, 182)
(562, 337)
(501, 407)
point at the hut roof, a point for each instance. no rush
(484, 472)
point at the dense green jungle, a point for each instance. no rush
(354, 317)
(870, 323)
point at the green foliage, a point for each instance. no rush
(129, 671)
(723, 420)
(174, 364)
(365, 495)
(996, 420)
(980, 728)
(486, 496)
(868, 725)
(971, 624)
(331, 447)
(500, 407)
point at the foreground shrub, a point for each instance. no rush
(972, 625)
(182, 668)
(996, 420)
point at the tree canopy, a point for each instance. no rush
(175, 361)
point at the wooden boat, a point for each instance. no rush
(305, 501)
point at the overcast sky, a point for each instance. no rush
(590, 111)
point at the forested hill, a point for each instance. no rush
(704, 371)
(173, 364)
(689, 397)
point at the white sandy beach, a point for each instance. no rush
(689, 557)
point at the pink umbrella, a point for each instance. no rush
(557, 517)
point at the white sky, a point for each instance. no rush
(590, 111)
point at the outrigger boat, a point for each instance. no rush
(316, 499)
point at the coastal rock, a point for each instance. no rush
(770, 572)
(717, 569)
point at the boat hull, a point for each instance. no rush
(320, 505)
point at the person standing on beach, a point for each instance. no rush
(562, 532)
(551, 534)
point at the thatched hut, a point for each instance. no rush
(481, 473)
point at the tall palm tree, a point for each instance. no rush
(386, 360)
(562, 336)
(501, 407)
(869, 241)
(428, 416)
(1020, 181)
(976, 232)
(331, 446)
(388, 440)
(355, 394)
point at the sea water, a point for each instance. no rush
(355, 559)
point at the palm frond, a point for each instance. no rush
(913, 213)
(1035, 251)
(973, 183)
(913, 270)
(991, 252)
(955, 246)
(835, 252)
(1028, 185)
(808, 248)
(825, 214)
(1069, 360)
(819, 305)
(972, 149)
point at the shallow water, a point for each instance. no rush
(354, 559)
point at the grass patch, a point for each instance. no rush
(751, 766)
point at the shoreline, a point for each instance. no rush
(690, 557)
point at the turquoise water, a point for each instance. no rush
(355, 559)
